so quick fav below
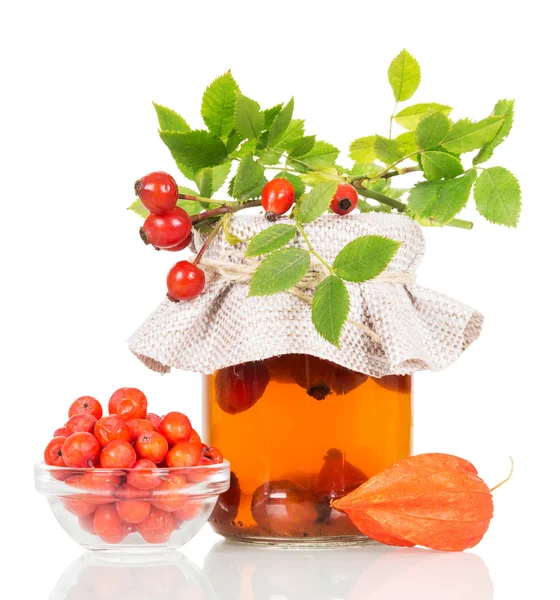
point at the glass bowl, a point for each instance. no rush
(132, 509)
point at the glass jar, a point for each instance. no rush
(298, 432)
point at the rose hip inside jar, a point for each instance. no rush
(300, 431)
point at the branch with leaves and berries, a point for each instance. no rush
(264, 158)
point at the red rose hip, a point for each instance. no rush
(345, 199)
(128, 403)
(108, 525)
(185, 281)
(152, 445)
(184, 454)
(278, 197)
(142, 476)
(80, 450)
(133, 511)
(157, 191)
(238, 388)
(86, 405)
(118, 454)
(81, 422)
(138, 427)
(112, 427)
(53, 452)
(157, 526)
(166, 230)
(175, 427)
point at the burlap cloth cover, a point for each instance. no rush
(416, 328)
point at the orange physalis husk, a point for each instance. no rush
(432, 500)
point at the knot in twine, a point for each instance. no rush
(243, 271)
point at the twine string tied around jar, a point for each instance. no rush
(242, 272)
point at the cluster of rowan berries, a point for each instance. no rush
(124, 466)
(169, 227)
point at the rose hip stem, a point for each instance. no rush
(207, 242)
(223, 210)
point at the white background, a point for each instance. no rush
(77, 129)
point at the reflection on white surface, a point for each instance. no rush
(164, 576)
(243, 572)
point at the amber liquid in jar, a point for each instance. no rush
(298, 432)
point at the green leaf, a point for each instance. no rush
(386, 150)
(279, 272)
(249, 119)
(211, 179)
(191, 207)
(410, 116)
(280, 123)
(361, 150)
(270, 115)
(361, 169)
(321, 155)
(299, 186)
(316, 202)
(271, 239)
(407, 141)
(300, 146)
(233, 141)
(432, 130)
(440, 165)
(169, 120)
(138, 208)
(498, 196)
(325, 174)
(404, 76)
(330, 308)
(195, 149)
(294, 131)
(503, 108)
(218, 105)
(440, 201)
(365, 257)
(465, 135)
(248, 176)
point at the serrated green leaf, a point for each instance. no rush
(395, 193)
(361, 169)
(169, 120)
(294, 131)
(248, 147)
(270, 157)
(365, 257)
(195, 149)
(330, 308)
(270, 115)
(191, 207)
(431, 130)
(366, 207)
(316, 202)
(386, 150)
(440, 201)
(300, 146)
(322, 154)
(218, 105)
(407, 141)
(465, 136)
(271, 239)
(440, 165)
(279, 272)
(410, 116)
(249, 120)
(249, 174)
(211, 179)
(404, 76)
(280, 123)
(233, 141)
(138, 208)
(325, 174)
(498, 196)
(503, 108)
(299, 186)
(361, 149)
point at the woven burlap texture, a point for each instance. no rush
(416, 328)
